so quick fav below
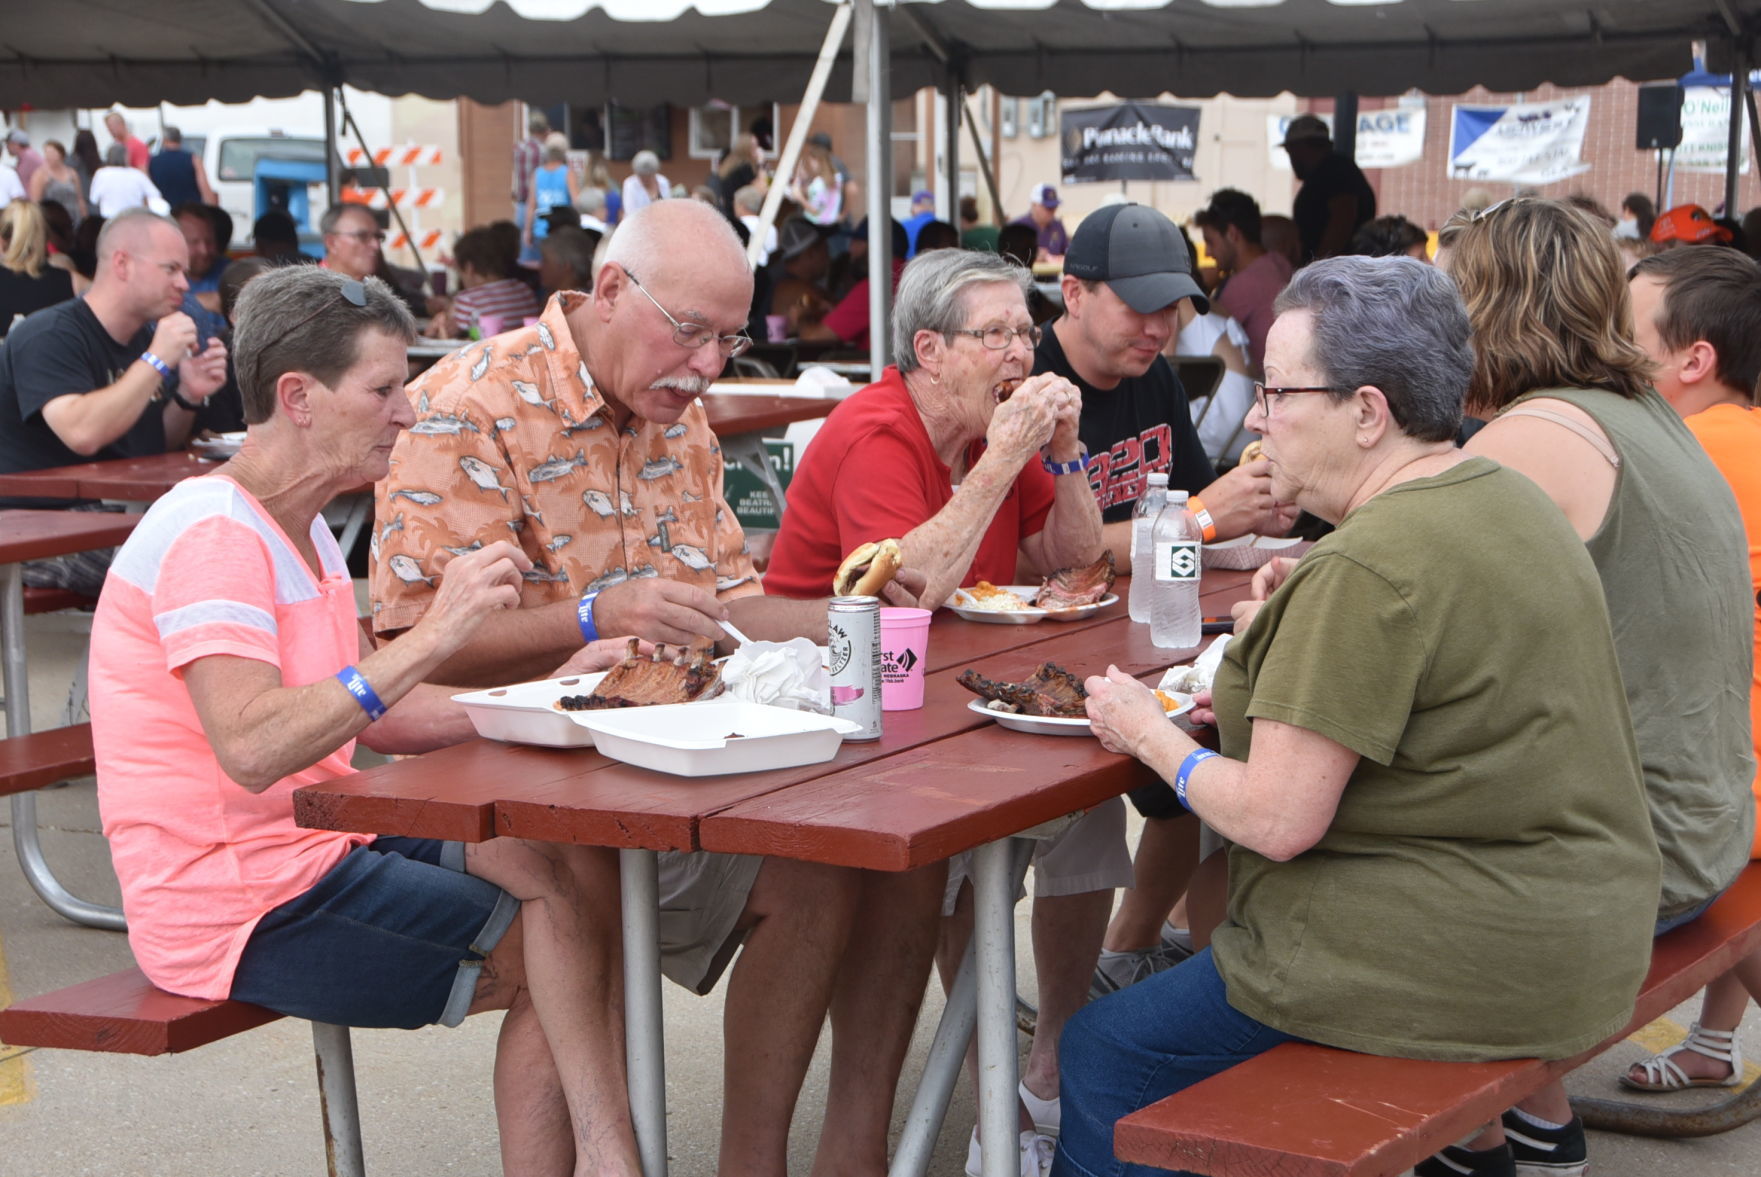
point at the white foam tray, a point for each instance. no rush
(714, 738)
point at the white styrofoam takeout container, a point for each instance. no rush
(525, 713)
(693, 739)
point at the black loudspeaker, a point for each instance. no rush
(1660, 117)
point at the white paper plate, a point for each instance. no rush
(221, 445)
(1027, 616)
(716, 737)
(524, 714)
(1044, 725)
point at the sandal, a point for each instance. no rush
(1661, 1074)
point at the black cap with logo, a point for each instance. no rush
(1140, 253)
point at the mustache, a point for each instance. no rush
(690, 385)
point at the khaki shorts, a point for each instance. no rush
(701, 898)
(1090, 855)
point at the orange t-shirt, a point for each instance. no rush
(1732, 437)
(200, 858)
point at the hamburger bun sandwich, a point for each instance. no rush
(1251, 452)
(867, 570)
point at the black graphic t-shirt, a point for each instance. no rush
(1132, 431)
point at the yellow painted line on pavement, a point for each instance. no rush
(1666, 1034)
(15, 1073)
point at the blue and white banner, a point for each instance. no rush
(1532, 143)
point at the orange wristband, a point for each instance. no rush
(1207, 525)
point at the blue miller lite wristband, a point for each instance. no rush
(158, 365)
(357, 686)
(1193, 759)
(584, 614)
(1075, 465)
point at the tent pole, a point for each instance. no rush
(951, 142)
(1739, 90)
(332, 180)
(880, 182)
(984, 163)
(773, 197)
(1345, 125)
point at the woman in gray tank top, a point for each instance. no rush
(56, 180)
(1569, 397)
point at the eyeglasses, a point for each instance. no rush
(1262, 393)
(377, 236)
(999, 338)
(694, 335)
(352, 292)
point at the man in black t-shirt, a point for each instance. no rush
(1335, 197)
(1124, 277)
(84, 380)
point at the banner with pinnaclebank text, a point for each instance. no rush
(1528, 143)
(1130, 141)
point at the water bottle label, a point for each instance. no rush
(1177, 561)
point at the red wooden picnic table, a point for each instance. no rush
(482, 789)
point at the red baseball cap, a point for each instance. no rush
(1690, 223)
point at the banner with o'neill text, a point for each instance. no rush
(1131, 141)
(1530, 143)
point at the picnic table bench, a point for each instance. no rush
(1302, 1110)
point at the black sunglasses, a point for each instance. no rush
(353, 292)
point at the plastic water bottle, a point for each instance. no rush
(1143, 521)
(1176, 621)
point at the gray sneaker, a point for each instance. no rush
(1120, 970)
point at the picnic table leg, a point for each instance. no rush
(336, 1100)
(993, 893)
(24, 805)
(644, 1044)
(941, 1070)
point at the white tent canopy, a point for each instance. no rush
(92, 52)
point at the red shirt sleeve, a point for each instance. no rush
(849, 319)
(1034, 492)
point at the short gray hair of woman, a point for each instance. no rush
(301, 319)
(931, 295)
(1395, 323)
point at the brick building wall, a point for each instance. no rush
(1424, 193)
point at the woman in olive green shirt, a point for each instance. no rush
(1440, 846)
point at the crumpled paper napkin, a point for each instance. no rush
(781, 674)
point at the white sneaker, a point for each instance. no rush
(1036, 1155)
(1047, 1114)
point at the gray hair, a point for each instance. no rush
(932, 291)
(645, 163)
(688, 228)
(590, 200)
(749, 199)
(116, 156)
(1395, 323)
(131, 225)
(323, 339)
(336, 212)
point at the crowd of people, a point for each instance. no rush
(1458, 732)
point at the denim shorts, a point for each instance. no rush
(394, 936)
(1669, 923)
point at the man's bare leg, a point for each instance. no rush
(565, 948)
(1166, 856)
(798, 921)
(1067, 931)
(875, 1001)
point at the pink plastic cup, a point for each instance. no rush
(777, 328)
(904, 646)
(529, 321)
(489, 325)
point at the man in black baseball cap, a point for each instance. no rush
(1127, 271)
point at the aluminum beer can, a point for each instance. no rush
(854, 646)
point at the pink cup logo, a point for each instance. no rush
(895, 666)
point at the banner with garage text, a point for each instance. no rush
(1389, 138)
(1527, 143)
